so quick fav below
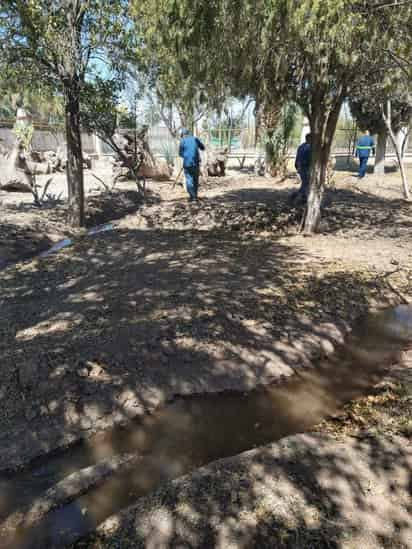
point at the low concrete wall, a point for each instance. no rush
(47, 140)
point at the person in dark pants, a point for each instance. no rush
(302, 165)
(189, 151)
(364, 148)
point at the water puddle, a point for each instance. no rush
(193, 431)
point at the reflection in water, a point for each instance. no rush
(194, 431)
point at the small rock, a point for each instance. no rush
(82, 372)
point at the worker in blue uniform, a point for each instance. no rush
(189, 151)
(364, 147)
(302, 165)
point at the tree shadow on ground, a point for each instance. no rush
(267, 195)
(52, 210)
(353, 212)
(308, 491)
(99, 208)
(113, 205)
(20, 242)
(363, 213)
(31, 230)
(122, 322)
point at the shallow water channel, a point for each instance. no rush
(193, 431)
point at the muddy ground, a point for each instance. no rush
(182, 298)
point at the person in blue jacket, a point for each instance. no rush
(364, 148)
(302, 165)
(189, 151)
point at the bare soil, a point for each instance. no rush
(190, 298)
(27, 230)
(307, 491)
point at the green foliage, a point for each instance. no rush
(24, 134)
(61, 44)
(278, 141)
(57, 47)
(60, 38)
(387, 75)
(366, 107)
(41, 101)
(173, 53)
(100, 107)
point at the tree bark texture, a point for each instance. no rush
(323, 122)
(269, 152)
(318, 177)
(379, 168)
(74, 168)
(387, 118)
(269, 118)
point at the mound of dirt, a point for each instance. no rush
(232, 215)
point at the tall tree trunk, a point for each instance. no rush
(323, 126)
(270, 117)
(387, 118)
(257, 124)
(379, 168)
(318, 177)
(405, 142)
(269, 152)
(74, 170)
(405, 186)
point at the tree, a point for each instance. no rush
(59, 43)
(369, 106)
(44, 105)
(173, 54)
(272, 50)
(100, 111)
(386, 110)
(278, 141)
(326, 39)
(384, 90)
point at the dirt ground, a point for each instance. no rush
(27, 230)
(307, 491)
(187, 298)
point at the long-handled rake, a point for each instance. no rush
(176, 181)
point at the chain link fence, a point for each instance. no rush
(236, 141)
